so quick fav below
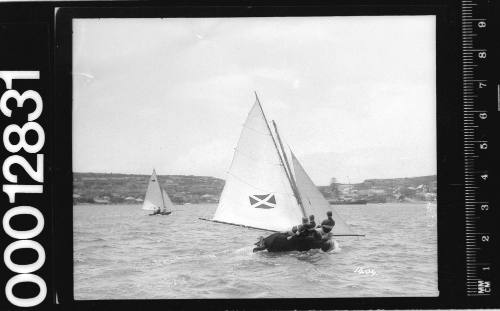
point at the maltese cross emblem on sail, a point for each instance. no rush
(262, 200)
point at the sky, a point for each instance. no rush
(354, 97)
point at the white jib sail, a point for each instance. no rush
(257, 192)
(167, 203)
(153, 199)
(313, 201)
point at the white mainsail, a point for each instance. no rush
(156, 197)
(257, 192)
(263, 188)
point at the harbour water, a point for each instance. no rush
(121, 253)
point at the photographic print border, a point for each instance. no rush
(451, 281)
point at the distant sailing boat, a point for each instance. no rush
(156, 199)
(267, 187)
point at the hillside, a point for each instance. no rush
(410, 189)
(130, 189)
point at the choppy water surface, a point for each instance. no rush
(121, 253)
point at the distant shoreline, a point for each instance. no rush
(110, 188)
(211, 177)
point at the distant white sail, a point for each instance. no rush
(166, 202)
(257, 192)
(156, 197)
(313, 201)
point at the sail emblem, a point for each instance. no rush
(263, 200)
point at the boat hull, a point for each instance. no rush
(160, 214)
(278, 242)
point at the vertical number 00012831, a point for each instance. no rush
(23, 238)
(476, 96)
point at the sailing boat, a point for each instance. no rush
(267, 188)
(156, 199)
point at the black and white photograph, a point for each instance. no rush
(254, 157)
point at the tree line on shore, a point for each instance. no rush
(110, 188)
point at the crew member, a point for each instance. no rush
(301, 229)
(293, 231)
(323, 233)
(326, 226)
(311, 225)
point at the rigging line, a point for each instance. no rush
(291, 179)
(275, 145)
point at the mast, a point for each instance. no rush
(288, 175)
(291, 179)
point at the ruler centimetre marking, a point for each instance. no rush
(475, 106)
